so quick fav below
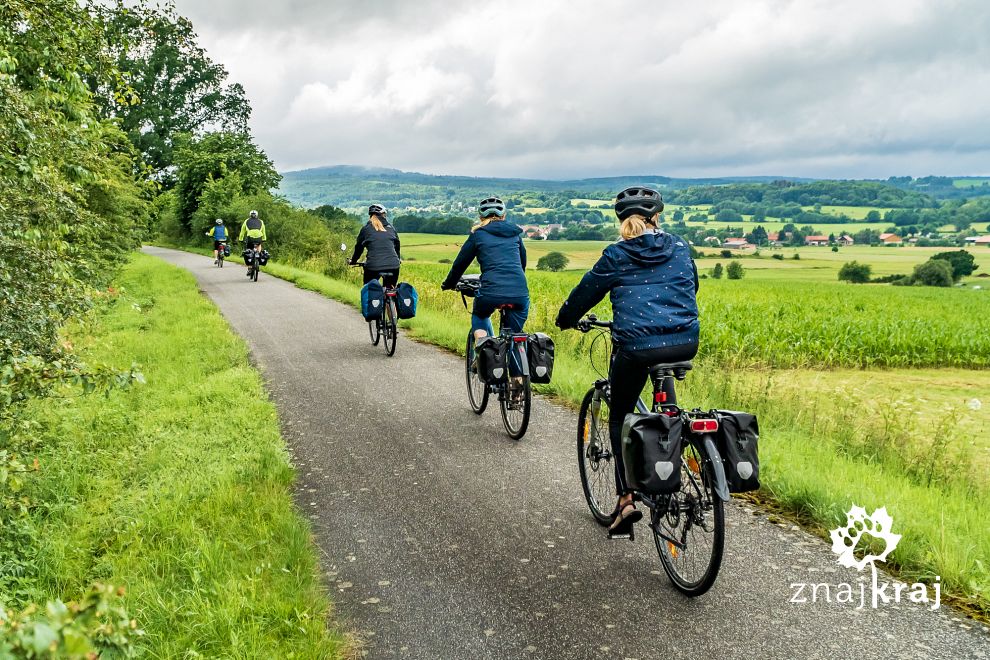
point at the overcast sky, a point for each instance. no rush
(575, 88)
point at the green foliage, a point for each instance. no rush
(855, 272)
(205, 161)
(963, 263)
(717, 271)
(70, 204)
(173, 87)
(934, 272)
(96, 624)
(735, 271)
(553, 261)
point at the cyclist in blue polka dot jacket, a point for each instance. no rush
(652, 281)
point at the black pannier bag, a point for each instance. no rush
(651, 452)
(406, 300)
(247, 257)
(540, 356)
(226, 250)
(263, 258)
(738, 436)
(490, 353)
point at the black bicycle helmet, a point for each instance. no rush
(638, 200)
(377, 209)
(491, 207)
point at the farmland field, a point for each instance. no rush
(815, 264)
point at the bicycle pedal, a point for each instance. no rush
(621, 536)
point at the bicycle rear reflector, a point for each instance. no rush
(660, 397)
(704, 425)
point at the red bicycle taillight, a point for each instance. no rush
(519, 339)
(660, 397)
(704, 425)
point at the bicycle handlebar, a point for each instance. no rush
(591, 321)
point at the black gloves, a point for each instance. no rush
(446, 286)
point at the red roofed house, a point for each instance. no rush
(891, 239)
(816, 240)
(983, 240)
(737, 244)
(845, 240)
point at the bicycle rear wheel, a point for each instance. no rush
(390, 330)
(596, 464)
(254, 276)
(477, 388)
(516, 402)
(375, 331)
(690, 531)
(220, 260)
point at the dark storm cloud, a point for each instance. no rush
(583, 88)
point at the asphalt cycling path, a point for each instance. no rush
(443, 538)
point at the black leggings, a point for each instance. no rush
(627, 376)
(389, 280)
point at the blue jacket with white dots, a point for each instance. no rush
(652, 280)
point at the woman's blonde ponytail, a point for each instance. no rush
(376, 222)
(636, 225)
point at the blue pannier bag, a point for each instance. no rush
(406, 300)
(372, 300)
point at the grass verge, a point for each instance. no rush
(178, 490)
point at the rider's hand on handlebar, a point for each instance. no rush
(446, 286)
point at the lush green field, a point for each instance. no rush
(875, 437)
(970, 183)
(177, 490)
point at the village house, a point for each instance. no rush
(737, 244)
(845, 240)
(816, 240)
(891, 239)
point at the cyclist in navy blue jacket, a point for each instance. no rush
(499, 249)
(652, 281)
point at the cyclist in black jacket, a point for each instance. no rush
(652, 281)
(382, 243)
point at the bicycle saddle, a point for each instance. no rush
(676, 369)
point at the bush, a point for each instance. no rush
(445, 261)
(717, 272)
(778, 257)
(855, 272)
(735, 271)
(726, 254)
(796, 257)
(934, 272)
(554, 262)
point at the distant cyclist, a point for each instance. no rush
(499, 249)
(253, 229)
(652, 281)
(219, 234)
(381, 241)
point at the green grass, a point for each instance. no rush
(179, 490)
(970, 183)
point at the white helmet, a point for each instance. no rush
(219, 221)
(253, 214)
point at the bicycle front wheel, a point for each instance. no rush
(515, 403)
(390, 330)
(477, 388)
(254, 276)
(596, 464)
(689, 531)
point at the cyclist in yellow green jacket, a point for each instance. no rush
(253, 230)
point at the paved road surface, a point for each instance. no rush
(442, 538)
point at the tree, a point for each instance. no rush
(678, 215)
(758, 236)
(215, 156)
(173, 86)
(735, 271)
(553, 261)
(728, 215)
(934, 272)
(855, 272)
(963, 263)
(717, 271)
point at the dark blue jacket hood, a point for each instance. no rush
(501, 228)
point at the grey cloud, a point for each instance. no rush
(581, 88)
